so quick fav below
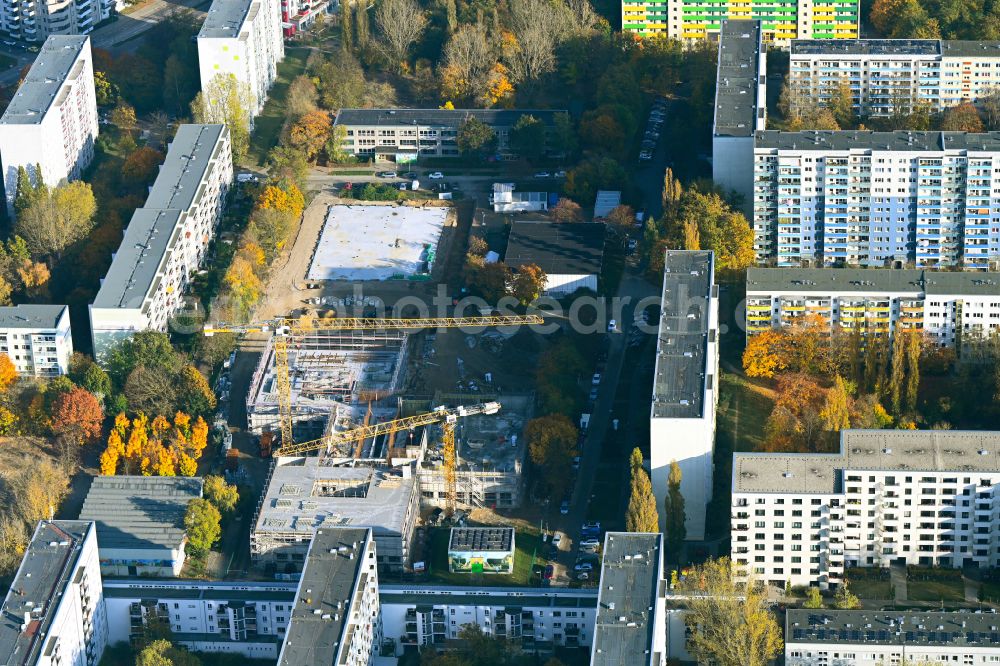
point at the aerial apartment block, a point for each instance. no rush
(242, 38)
(951, 309)
(51, 123)
(924, 497)
(875, 638)
(833, 198)
(336, 617)
(37, 339)
(54, 611)
(781, 20)
(403, 135)
(740, 106)
(888, 76)
(686, 383)
(167, 238)
(36, 21)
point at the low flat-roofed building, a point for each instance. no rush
(140, 522)
(606, 201)
(403, 135)
(336, 617)
(875, 638)
(686, 383)
(506, 199)
(239, 617)
(167, 239)
(481, 550)
(37, 338)
(54, 611)
(537, 619)
(571, 255)
(631, 616)
(304, 494)
(955, 474)
(51, 122)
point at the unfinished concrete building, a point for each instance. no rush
(491, 451)
(327, 369)
(304, 494)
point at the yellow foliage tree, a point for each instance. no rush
(244, 284)
(186, 465)
(199, 437)
(8, 421)
(8, 373)
(121, 425)
(499, 86)
(109, 462)
(164, 462)
(182, 422)
(765, 354)
(289, 200)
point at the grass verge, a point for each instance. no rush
(933, 590)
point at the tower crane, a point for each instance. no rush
(447, 417)
(284, 328)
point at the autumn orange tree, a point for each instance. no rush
(141, 165)
(78, 415)
(766, 353)
(310, 133)
(160, 447)
(8, 373)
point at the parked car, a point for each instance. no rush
(591, 528)
(583, 575)
(583, 566)
(550, 571)
(386, 174)
(612, 326)
(543, 174)
(576, 462)
(557, 539)
(592, 396)
(596, 379)
(645, 156)
(590, 542)
(560, 174)
(564, 507)
(435, 175)
(410, 175)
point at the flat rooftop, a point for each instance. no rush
(520, 597)
(189, 157)
(630, 580)
(144, 249)
(305, 494)
(323, 602)
(904, 141)
(225, 18)
(53, 67)
(31, 316)
(371, 242)
(736, 103)
(912, 282)
(132, 588)
(681, 375)
(136, 512)
(482, 539)
(441, 117)
(558, 249)
(885, 450)
(48, 566)
(895, 48)
(925, 628)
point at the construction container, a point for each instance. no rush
(266, 441)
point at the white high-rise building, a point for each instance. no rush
(52, 121)
(167, 238)
(54, 611)
(242, 38)
(924, 199)
(37, 338)
(952, 309)
(686, 383)
(925, 498)
(36, 20)
(888, 76)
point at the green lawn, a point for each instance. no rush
(527, 546)
(989, 591)
(933, 590)
(872, 589)
(268, 124)
(742, 412)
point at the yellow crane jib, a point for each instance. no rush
(447, 415)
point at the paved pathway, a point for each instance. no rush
(897, 574)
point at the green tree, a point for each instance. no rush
(476, 138)
(641, 515)
(844, 599)
(145, 348)
(227, 100)
(676, 530)
(729, 617)
(28, 194)
(813, 598)
(223, 495)
(552, 445)
(527, 137)
(105, 91)
(341, 81)
(161, 652)
(563, 137)
(123, 117)
(57, 219)
(202, 524)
